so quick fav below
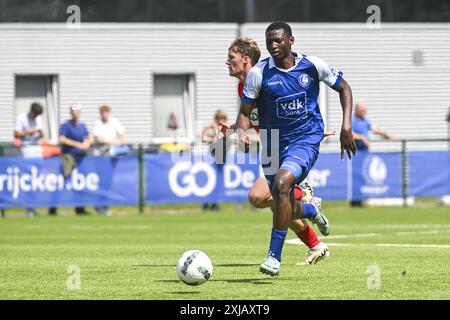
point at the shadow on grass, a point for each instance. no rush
(256, 281)
(183, 292)
(249, 281)
(225, 265)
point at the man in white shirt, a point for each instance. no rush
(29, 127)
(28, 131)
(109, 135)
(108, 130)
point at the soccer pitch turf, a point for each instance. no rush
(133, 256)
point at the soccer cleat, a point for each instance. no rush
(317, 254)
(270, 266)
(307, 190)
(320, 220)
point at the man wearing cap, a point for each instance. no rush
(75, 140)
(74, 135)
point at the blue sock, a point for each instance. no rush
(276, 243)
(309, 211)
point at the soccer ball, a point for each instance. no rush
(194, 267)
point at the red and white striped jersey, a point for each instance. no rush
(254, 120)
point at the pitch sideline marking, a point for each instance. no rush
(399, 245)
(368, 235)
(356, 235)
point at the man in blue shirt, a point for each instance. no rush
(285, 88)
(74, 135)
(362, 126)
(75, 140)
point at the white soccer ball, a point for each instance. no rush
(194, 267)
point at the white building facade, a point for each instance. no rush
(146, 72)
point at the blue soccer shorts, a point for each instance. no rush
(298, 159)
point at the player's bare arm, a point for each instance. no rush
(360, 137)
(69, 142)
(29, 132)
(382, 133)
(243, 118)
(347, 141)
(73, 143)
(243, 123)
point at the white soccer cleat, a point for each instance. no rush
(320, 220)
(270, 266)
(317, 254)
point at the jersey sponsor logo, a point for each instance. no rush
(304, 80)
(274, 83)
(292, 106)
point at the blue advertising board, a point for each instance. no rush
(376, 175)
(330, 177)
(190, 179)
(35, 182)
(429, 173)
(96, 181)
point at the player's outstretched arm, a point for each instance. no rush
(382, 133)
(243, 120)
(347, 142)
(241, 125)
(329, 133)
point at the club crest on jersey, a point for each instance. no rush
(335, 71)
(304, 80)
(254, 120)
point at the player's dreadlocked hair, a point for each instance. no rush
(277, 25)
(247, 47)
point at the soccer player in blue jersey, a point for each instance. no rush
(285, 88)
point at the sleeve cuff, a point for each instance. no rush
(248, 100)
(338, 81)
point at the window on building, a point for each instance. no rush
(173, 108)
(41, 89)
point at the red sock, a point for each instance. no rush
(298, 194)
(308, 237)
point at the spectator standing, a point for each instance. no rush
(108, 131)
(28, 131)
(361, 127)
(75, 140)
(109, 135)
(208, 136)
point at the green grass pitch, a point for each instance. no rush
(131, 256)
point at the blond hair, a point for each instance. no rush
(247, 47)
